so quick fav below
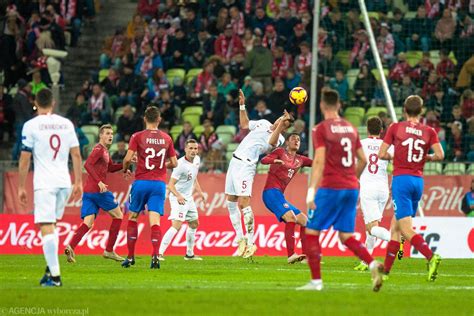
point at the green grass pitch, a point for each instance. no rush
(232, 286)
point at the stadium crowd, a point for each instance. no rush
(191, 57)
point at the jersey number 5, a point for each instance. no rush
(55, 144)
(347, 147)
(414, 145)
(151, 153)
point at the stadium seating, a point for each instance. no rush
(198, 130)
(454, 169)
(103, 74)
(231, 147)
(173, 73)
(354, 115)
(90, 129)
(226, 133)
(262, 169)
(470, 170)
(374, 111)
(343, 57)
(399, 112)
(191, 74)
(118, 113)
(376, 73)
(351, 76)
(433, 168)
(175, 131)
(362, 132)
(414, 57)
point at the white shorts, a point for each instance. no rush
(373, 204)
(50, 204)
(187, 212)
(239, 178)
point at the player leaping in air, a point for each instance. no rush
(263, 137)
(155, 152)
(285, 163)
(181, 185)
(334, 174)
(412, 141)
(374, 190)
(97, 196)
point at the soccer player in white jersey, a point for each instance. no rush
(374, 191)
(182, 183)
(262, 138)
(50, 138)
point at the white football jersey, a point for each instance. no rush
(50, 138)
(374, 177)
(186, 173)
(256, 142)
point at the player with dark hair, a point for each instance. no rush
(412, 141)
(155, 153)
(374, 189)
(97, 196)
(285, 163)
(334, 176)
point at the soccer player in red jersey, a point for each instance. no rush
(97, 196)
(412, 141)
(155, 152)
(285, 163)
(334, 173)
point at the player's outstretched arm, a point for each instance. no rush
(77, 166)
(243, 117)
(361, 162)
(272, 158)
(438, 154)
(282, 123)
(316, 175)
(23, 168)
(383, 152)
(172, 189)
(127, 161)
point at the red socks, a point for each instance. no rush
(132, 233)
(313, 253)
(420, 244)
(392, 250)
(113, 232)
(155, 238)
(290, 237)
(303, 238)
(80, 232)
(359, 250)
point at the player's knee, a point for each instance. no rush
(244, 202)
(176, 224)
(344, 236)
(301, 219)
(133, 216)
(193, 224)
(232, 198)
(289, 217)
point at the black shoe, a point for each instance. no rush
(46, 276)
(53, 282)
(128, 262)
(155, 263)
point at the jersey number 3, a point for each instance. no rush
(151, 153)
(347, 147)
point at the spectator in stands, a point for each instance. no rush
(186, 134)
(148, 8)
(430, 86)
(178, 49)
(7, 117)
(115, 48)
(285, 23)
(82, 138)
(444, 31)
(360, 53)
(303, 60)
(247, 87)
(400, 70)
(419, 30)
(99, 108)
(431, 120)
(262, 112)
(48, 23)
(293, 79)
(191, 23)
(247, 40)
(328, 64)
(76, 111)
(456, 117)
(156, 84)
(470, 142)
(445, 64)
(127, 124)
(340, 84)
(336, 28)
(260, 20)
(404, 90)
(200, 46)
(121, 152)
(218, 25)
(214, 105)
(423, 68)
(23, 108)
(10, 62)
(386, 44)
(237, 20)
(130, 87)
(110, 86)
(36, 83)
(179, 92)
(137, 24)
(204, 80)
(271, 39)
(364, 86)
(226, 85)
(167, 108)
(158, 37)
(259, 62)
(467, 104)
(299, 36)
(467, 204)
(437, 102)
(227, 45)
(212, 154)
(399, 29)
(278, 99)
(282, 62)
(465, 32)
(148, 62)
(456, 144)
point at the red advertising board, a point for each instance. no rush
(442, 195)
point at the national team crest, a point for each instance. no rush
(285, 205)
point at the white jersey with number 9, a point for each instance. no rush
(50, 137)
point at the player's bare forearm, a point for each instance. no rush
(243, 117)
(127, 160)
(171, 163)
(24, 167)
(172, 187)
(361, 162)
(438, 154)
(197, 188)
(383, 152)
(77, 165)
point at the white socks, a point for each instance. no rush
(190, 237)
(167, 238)
(50, 250)
(235, 219)
(249, 224)
(380, 233)
(370, 243)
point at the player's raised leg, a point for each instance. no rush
(132, 235)
(81, 231)
(114, 229)
(249, 222)
(190, 240)
(168, 237)
(236, 220)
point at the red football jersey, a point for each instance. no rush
(280, 176)
(153, 148)
(412, 142)
(341, 141)
(97, 165)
